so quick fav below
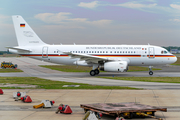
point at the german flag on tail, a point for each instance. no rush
(22, 25)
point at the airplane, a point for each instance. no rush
(111, 58)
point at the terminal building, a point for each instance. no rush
(174, 51)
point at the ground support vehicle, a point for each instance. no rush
(126, 110)
(5, 65)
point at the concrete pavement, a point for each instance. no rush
(31, 69)
(17, 110)
(158, 94)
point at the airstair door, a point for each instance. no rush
(45, 52)
(151, 52)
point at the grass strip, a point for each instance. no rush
(148, 79)
(49, 84)
(69, 68)
(138, 68)
(10, 70)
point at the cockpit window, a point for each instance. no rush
(165, 52)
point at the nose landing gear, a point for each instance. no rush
(150, 70)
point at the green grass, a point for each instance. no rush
(137, 68)
(48, 84)
(148, 79)
(10, 55)
(69, 68)
(10, 70)
(177, 62)
(177, 55)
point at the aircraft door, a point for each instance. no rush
(45, 52)
(151, 52)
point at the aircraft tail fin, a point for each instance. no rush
(24, 33)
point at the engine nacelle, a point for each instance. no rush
(118, 66)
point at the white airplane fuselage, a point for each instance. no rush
(113, 58)
(136, 55)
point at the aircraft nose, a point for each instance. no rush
(174, 59)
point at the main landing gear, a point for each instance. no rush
(94, 72)
(150, 70)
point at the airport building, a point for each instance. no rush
(174, 51)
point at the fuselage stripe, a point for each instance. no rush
(63, 55)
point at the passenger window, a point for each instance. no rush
(89, 51)
(92, 51)
(100, 51)
(162, 52)
(103, 51)
(110, 51)
(114, 51)
(117, 51)
(76, 51)
(79, 52)
(97, 51)
(54, 51)
(106, 51)
(128, 51)
(134, 51)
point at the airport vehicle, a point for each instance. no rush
(112, 58)
(5, 65)
(128, 110)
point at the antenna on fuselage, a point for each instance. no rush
(74, 43)
(148, 44)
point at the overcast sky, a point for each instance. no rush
(156, 22)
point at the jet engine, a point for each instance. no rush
(116, 66)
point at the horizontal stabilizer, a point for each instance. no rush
(20, 49)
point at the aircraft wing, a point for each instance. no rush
(86, 57)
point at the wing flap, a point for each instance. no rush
(86, 57)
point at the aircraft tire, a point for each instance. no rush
(96, 71)
(92, 73)
(150, 72)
